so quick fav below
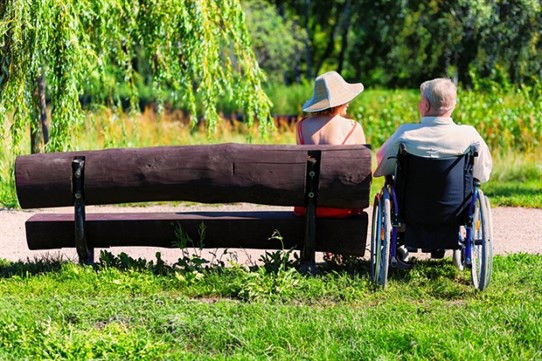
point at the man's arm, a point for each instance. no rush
(386, 156)
(483, 163)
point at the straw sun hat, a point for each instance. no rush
(331, 90)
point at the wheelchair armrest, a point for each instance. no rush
(475, 149)
(389, 180)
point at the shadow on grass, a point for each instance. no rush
(515, 194)
(422, 272)
(29, 267)
(508, 189)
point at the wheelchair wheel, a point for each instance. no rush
(380, 239)
(481, 246)
(490, 238)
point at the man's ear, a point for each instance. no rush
(425, 104)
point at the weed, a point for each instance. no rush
(281, 259)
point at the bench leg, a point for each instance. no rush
(86, 255)
(308, 261)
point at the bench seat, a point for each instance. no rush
(222, 230)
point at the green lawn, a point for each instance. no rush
(515, 194)
(128, 309)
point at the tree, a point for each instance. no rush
(399, 43)
(326, 24)
(276, 41)
(197, 50)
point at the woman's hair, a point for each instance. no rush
(441, 94)
(328, 111)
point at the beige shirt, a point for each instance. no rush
(435, 137)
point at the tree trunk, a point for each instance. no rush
(308, 44)
(347, 13)
(39, 127)
(43, 108)
(328, 51)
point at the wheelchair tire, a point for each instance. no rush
(481, 245)
(380, 239)
(375, 231)
(489, 218)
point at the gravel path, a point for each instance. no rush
(515, 230)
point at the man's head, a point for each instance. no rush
(438, 97)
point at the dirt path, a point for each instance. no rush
(515, 230)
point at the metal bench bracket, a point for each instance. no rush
(86, 255)
(308, 262)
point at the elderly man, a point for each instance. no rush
(437, 136)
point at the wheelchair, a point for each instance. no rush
(432, 205)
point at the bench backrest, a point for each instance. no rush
(221, 173)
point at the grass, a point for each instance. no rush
(57, 310)
(515, 194)
(516, 181)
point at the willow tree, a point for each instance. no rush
(198, 50)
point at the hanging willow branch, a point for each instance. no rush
(199, 50)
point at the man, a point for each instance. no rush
(437, 136)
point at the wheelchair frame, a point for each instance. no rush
(474, 237)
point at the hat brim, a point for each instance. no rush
(313, 105)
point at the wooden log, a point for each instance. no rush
(222, 173)
(222, 230)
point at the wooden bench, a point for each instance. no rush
(283, 175)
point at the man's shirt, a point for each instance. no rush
(435, 137)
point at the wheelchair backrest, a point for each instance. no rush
(432, 191)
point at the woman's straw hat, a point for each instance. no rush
(331, 90)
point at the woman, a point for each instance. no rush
(327, 123)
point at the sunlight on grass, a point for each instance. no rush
(516, 180)
(55, 309)
(520, 167)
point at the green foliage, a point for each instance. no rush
(8, 197)
(507, 117)
(402, 43)
(276, 41)
(432, 312)
(380, 112)
(288, 100)
(199, 51)
(124, 262)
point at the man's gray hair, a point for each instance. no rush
(441, 94)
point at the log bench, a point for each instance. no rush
(282, 175)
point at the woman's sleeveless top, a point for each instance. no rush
(327, 212)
